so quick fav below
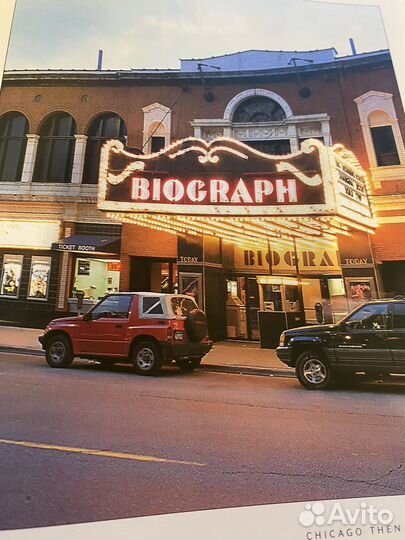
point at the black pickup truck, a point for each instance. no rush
(370, 339)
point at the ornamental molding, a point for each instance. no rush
(211, 133)
(257, 133)
(242, 96)
(154, 106)
(308, 130)
(394, 172)
(373, 94)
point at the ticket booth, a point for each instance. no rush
(281, 307)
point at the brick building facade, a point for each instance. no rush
(53, 123)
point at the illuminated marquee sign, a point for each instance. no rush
(224, 177)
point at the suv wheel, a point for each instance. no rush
(59, 352)
(146, 358)
(196, 325)
(188, 364)
(313, 371)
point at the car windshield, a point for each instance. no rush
(182, 306)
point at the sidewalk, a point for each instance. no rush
(225, 357)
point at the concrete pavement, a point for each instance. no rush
(225, 357)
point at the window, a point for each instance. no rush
(96, 277)
(13, 141)
(55, 149)
(112, 307)
(398, 320)
(103, 128)
(151, 305)
(384, 146)
(157, 144)
(381, 132)
(258, 109)
(182, 306)
(370, 317)
(276, 148)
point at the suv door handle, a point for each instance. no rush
(118, 326)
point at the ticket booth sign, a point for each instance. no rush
(221, 177)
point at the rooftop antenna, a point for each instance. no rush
(352, 46)
(100, 60)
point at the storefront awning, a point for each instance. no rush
(88, 244)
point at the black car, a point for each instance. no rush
(370, 339)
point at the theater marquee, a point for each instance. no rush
(221, 177)
(193, 185)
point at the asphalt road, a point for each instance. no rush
(184, 442)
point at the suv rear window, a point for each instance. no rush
(182, 306)
(151, 305)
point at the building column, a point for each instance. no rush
(29, 159)
(78, 159)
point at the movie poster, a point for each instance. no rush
(39, 278)
(11, 275)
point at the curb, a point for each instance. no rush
(215, 368)
(22, 350)
(247, 370)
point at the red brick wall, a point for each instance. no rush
(388, 242)
(143, 242)
(331, 93)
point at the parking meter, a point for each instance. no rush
(79, 304)
(319, 312)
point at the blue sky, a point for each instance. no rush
(156, 33)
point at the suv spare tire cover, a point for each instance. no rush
(196, 325)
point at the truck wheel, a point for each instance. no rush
(188, 364)
(59, 352)
(313, 371)
(146, 358)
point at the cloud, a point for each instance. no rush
(156, 33)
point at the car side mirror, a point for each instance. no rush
(87, 317)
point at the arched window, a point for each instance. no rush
(103, 128)
(258, 109)
(55, 149)
(13, 141)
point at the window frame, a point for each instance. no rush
(394, 305)
(45, 159)
(379, 156)
(387, 315)
(18, 164)
(94, 144)
(128, 314)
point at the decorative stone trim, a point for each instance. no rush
(78, 159)
(29, 159)
(374, 101)
(154, 114)
(242, 96)
(212, 133)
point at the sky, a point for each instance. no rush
(67, 34)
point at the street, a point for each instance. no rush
(100, 443)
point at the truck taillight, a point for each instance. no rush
(169, 333)
(178, 335)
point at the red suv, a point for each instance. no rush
(147, 329)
